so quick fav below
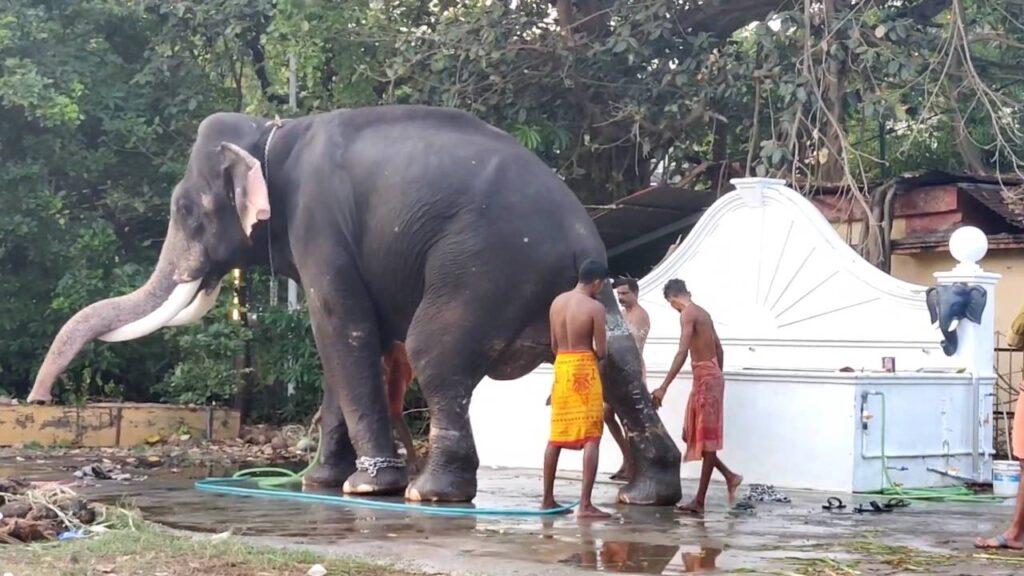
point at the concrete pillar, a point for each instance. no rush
(976, 342)
(976, 349)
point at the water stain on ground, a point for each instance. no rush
(931, 538)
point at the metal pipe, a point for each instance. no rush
(975, 429)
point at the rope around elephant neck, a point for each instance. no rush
(274, 124)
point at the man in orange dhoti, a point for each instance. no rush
(702, 425)
(578, 341)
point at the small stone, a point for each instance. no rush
(316, 570)
(305, 444)
(154, 439)
(278, 443)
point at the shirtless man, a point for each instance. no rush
(627, 291)
(702, 425)
(578, 341)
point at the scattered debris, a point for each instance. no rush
(765, 493)
(41, 511)
(257, 446)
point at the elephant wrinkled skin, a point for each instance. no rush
(403, 224)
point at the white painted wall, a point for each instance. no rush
(805, 323)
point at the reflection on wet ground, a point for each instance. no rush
(641, 558)
(637, 540)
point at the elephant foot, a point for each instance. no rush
(386, 482)
(328, 475)
(433, 486)
(652, 488)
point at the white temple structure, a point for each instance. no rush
(805, 323)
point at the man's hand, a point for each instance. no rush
(657, 396)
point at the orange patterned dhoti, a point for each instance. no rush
(702, 429)
(577, 401)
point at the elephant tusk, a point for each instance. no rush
(175, 303)
(953, 325)
(203, 302)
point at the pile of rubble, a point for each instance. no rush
(32, 511)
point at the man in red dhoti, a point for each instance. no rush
(702, 425)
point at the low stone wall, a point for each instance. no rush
(112, 424)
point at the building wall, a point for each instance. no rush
(918, 268)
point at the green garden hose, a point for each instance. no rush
(269, 481)
(948, 494)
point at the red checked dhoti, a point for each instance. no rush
(702, 430)
(577, 403)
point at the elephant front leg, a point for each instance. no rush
(354, 401)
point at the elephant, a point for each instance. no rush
(949, 304)
(410, 224)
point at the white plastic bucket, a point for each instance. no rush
(1005, 477)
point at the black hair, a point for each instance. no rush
(674, 288)
(592, 271)
(630, 283)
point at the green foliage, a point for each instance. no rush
(289, 373)
(206, 372)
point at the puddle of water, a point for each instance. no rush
(642, 558)
(639, 540)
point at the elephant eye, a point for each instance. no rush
(189, 215)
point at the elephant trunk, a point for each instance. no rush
(656, 459)
(164, 295)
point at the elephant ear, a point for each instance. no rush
(931, 297)
(976, 300)
(247, 189)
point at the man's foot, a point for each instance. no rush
(693, 509)
(732, 485)
(552, 505)
(999, 542)
(591, 511)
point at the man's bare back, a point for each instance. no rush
(704, 342)
(577, 323)
(577, 329)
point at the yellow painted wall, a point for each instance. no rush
(918, 268)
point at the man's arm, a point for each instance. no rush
(551, 323)
(600, 335)
(677, 363)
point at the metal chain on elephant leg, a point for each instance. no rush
(371, 465)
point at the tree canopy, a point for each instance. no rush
(100, 99)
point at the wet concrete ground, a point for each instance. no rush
(797, 538)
